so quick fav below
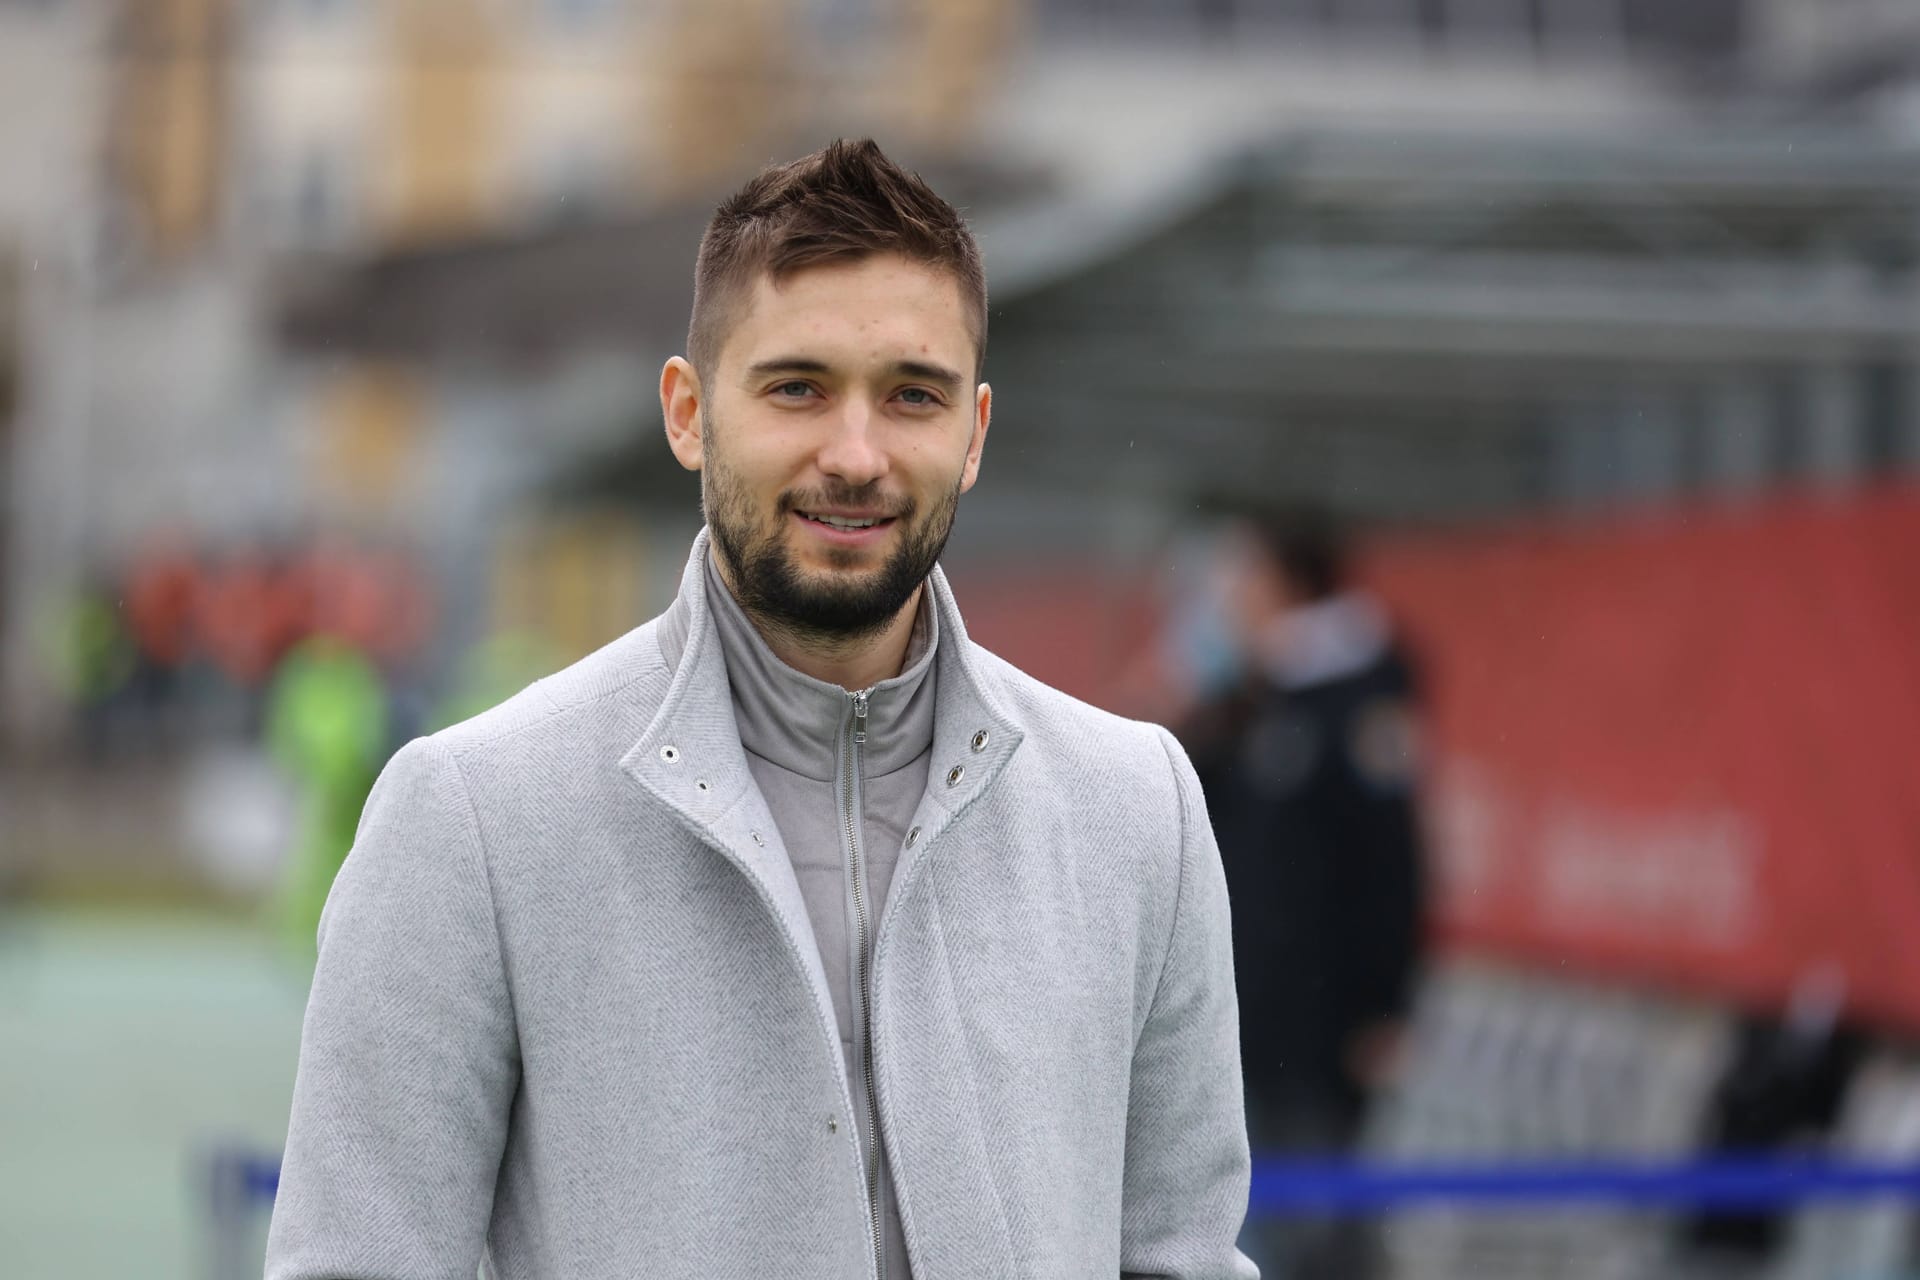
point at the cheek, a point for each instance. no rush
(928, 477)
(757, 457)
(934, 460)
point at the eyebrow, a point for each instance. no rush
(785, 364)
(938, 374)
(946, 379)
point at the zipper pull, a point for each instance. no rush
(860, 718)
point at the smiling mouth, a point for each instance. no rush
(845, 522)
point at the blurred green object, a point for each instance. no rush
(327, 716)
(85, 647)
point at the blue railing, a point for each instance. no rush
(1283, 1187)
(1287, 1187)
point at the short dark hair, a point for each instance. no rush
(1308, 545)
(840, 204)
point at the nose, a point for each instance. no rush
(851, 451)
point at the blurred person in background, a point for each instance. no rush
(161, 596)
(90, 657)
(327, 726)
(1308, 751)
(791, 929)
(1782, 1088)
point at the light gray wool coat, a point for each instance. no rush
(570, 1021)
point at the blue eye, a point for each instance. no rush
(918, 397)
(793, 389)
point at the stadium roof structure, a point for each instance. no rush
(1448, 324)
(1405, 324)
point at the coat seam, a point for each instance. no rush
(1180, 884)
(485, 859)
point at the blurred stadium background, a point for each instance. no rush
(328, 332)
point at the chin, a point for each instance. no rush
(838, 565)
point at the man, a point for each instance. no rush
(1310, 766)
(791, 934)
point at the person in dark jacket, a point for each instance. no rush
(1309, 758)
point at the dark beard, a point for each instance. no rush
(775, 593)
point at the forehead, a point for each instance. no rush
(883, 306)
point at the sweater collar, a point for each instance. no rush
(795, 720)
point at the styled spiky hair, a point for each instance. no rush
(840, 204)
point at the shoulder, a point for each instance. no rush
(1130, 766)
(581, 708)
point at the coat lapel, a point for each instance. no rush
(691, 762)
(917, 1011)
(973, 736)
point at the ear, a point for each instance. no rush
(982, 416)
(680, 406)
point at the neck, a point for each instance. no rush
(852, 662)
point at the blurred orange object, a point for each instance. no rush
(163, 590)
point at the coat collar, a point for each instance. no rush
(693, 738)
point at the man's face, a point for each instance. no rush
(837, 431)
(1254, 587)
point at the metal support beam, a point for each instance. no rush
(1740, 432)
(1833, 426)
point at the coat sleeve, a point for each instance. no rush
(408, 1062)
(1187, 1165)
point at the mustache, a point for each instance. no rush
(866, 497)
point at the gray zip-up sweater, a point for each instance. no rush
(570, 1017)
(842, 773)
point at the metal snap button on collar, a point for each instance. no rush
(980, 740)
(670, 753)
(954, 775)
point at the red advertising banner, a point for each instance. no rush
(1682, 747)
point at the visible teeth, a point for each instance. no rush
(844, 522)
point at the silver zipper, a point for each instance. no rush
(855, 741)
